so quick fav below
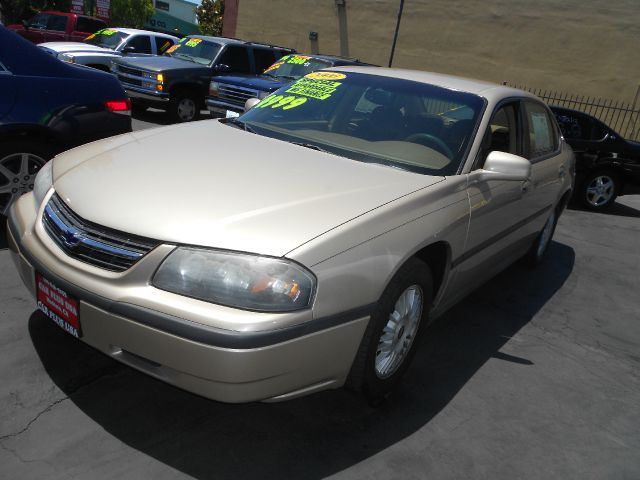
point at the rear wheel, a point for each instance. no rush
(395, 327)
(599, 190)
(20, 161)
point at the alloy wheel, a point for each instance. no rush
(399, 332)
(600, 191)
(17, 174)
(186, 109)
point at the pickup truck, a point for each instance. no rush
(228, 94)
(179, 80)
(98, 49)
(57, 26)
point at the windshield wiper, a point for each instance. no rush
(183, 56)
(311, 146)
(238, 123)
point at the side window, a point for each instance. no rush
(574, 125)
(263, 58)
(89, 25)
(599, 130)
(542, 138)
(141, 43)
(237, 58)
(162, 44)
(502, 134)
(57, 23)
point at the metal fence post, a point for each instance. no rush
(635, 133)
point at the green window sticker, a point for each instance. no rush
(318, 89)
(282, 101)
(107, 31)
(193, 42)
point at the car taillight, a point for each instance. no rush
(118, 105)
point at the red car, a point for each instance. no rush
(58, 27)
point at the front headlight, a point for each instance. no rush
(66, 57)
(44, 181)
(237, 280)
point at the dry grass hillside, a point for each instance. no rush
(589, 47)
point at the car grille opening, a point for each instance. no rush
(91, 243)
(236, 94)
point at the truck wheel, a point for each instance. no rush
(20, 161)
(184, 107)
(394, 330)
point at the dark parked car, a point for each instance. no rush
(607, 165)
(179, 80)
(48, 106)
(228, 94)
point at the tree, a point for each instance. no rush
(210, 15)
(131, 13)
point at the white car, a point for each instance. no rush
(304, 245)
(98, 49)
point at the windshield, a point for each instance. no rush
(107, 38)
(371, 118)
(296, 66)
(194, 50)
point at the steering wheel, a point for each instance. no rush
(432, 142)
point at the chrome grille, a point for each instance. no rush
(237, 95)
(91, 243)
(130, 71)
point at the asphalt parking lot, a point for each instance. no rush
(536, 375)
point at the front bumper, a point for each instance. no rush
(149, 97)
(221, 364)
(221, 107)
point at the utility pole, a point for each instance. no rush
(395, 35)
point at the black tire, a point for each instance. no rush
(184, 107)
(12, 156)
(599, 190)
(369, 374)
(538, 251)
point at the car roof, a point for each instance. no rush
(237, 41)
(131, 31)
(488, 90)
(336, 59)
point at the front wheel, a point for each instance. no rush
(599, 190)
(390, 340)
(20, 162)
(184, 107)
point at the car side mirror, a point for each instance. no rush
(221, 68)
(250, 103)
(505, 166)
(128, 49)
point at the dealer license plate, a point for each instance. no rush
(58, 305)
(232, 114)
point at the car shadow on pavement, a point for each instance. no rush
(617, 209)
(160, 117)
(311, 437)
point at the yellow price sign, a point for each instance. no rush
(285, 102)
(174, 48)
(318, 89)
(193, 42)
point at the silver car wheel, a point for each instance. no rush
(399, 332)
(545, 236)
(600, 191)
(186, 109)
(17, 174)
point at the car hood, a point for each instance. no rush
(262, 82)
(214, 185)
(160, 64)
(75, 47)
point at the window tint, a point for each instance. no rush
(541, 132)
(57, 23)
(574, 126)
(141, 43)
(163, 44)
(263, 58)
(89, 25)
(502, 134)
(237, 58)
(599, 130)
